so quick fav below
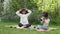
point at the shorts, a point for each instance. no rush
(27, 25)
(42, 27)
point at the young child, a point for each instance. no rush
(45, 21)
(23, 14)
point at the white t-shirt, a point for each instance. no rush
(46, 21)
(24, 17)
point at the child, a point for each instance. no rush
(23, 14)
(45, 21)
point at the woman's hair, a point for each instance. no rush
(45, 14)
(23, 10)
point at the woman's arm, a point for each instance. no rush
(18, 13)
(29, 12)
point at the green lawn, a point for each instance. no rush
(5, 30)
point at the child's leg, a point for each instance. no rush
(39, 27)
(20, 25)
(45, 27)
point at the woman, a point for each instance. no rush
(23, 14)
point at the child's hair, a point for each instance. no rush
(24, 10)
(45, 14)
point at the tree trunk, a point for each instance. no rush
(0, 9)
(0, 6)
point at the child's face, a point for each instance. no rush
(46, 17)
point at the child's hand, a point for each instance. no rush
(42, 22)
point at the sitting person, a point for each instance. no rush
(45, 21)
(23, 14)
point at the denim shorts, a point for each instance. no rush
(42, 27)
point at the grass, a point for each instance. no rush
(5, 30)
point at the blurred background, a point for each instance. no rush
(9, 7)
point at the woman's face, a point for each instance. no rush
(24, 12)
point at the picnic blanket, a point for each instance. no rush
(16, 26)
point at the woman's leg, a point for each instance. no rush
(20, 25)
(28, 25)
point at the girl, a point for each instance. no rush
(45, 21)
(23, 14)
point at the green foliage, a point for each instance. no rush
(46, 5)
(55, 21)
(37, 7)
(2, 0)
